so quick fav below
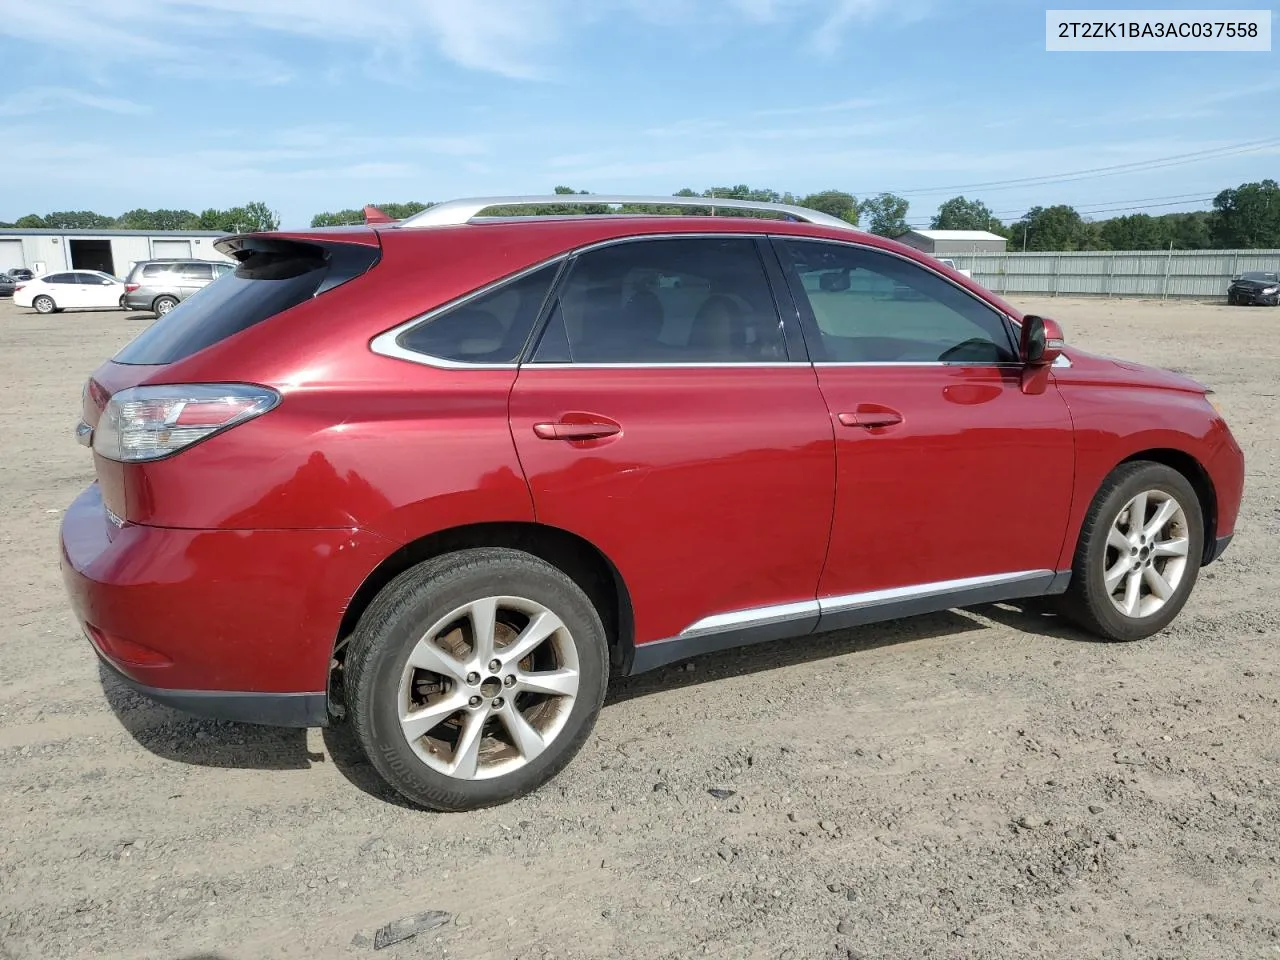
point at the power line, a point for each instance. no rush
(1135, 166)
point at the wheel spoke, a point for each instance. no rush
(431, 716)
(466, 754)
(1158, 584)
(1117, 539)
(427, 656)
(483, 614)
(525, 738)
(560, 683)
(1137, 513)
(1132, 593)
(538, 629)
(1113, 576)
(1176, 547)
(1164, 513)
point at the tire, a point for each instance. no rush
(162, 305)
(1088, 602)
(432, 600)
(43, 304)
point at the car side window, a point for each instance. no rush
(492, 327)
(58, 278)
(672, 300)
(88, 278)
(154, 269)
(868, 306)
(196, 271)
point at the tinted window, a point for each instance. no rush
(155, 269)
(490, 328)
(91, 278)
(60, 278)
(694, 300)
(272, 276)
(1261, 277)
(224, 268)
(196, 271)
(873, 307)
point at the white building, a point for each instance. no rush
(946, 243)
(111, 251)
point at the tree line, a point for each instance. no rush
(243, 219)
(1242, 218)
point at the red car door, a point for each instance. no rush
(953, 486)
(662, 419)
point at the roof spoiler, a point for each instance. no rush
(373, 215)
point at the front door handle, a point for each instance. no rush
(870, 418)
(575, 431)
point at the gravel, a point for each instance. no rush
(885, 779)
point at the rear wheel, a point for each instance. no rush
(163, 305)
(475, 677)
(43, 304)
(1138, 555)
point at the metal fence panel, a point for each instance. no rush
(1176, 274)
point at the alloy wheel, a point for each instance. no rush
(1146, 556)
(488, 687)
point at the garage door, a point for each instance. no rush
(171, 249)
(11, 255)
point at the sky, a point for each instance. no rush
(313, 105)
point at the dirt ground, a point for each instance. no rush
(980, 783)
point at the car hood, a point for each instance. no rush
(1094, 368)
(1255, 284)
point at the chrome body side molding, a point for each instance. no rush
(762, 624)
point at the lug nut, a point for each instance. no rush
(475, 701)
(497, 704)
(473, 678)
(495, 666)
(510, 680)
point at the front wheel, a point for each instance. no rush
(43, 304)
(473, 678)
(1138, 555)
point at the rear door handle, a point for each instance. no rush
(575, 431)
(870, 418)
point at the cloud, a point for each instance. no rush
(39, 99)
(829, 36)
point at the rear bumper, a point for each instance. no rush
(142, 299)
(270, 709)
(234, 624)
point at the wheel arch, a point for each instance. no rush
(1200, 481)
(581, 560)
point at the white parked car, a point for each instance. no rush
(70, 290)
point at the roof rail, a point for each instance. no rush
(452, 212)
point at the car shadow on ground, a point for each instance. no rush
(176, 736)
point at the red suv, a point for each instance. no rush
(444, 476)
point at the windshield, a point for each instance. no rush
(1261, 277)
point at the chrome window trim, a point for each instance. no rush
(385, 343)
(756, 616)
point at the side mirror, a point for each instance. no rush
(1042, 341)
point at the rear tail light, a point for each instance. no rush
(151, 422)
(18, 286)
(130, 287)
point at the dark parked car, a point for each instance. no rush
(1259, 287)
(443, 478)
(160, 285)
(7, 284)
(19, 274)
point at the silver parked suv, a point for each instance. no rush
(159, 285)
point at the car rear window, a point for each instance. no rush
(272, 275)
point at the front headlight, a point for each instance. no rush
(1269, 291)
(1208, 395)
